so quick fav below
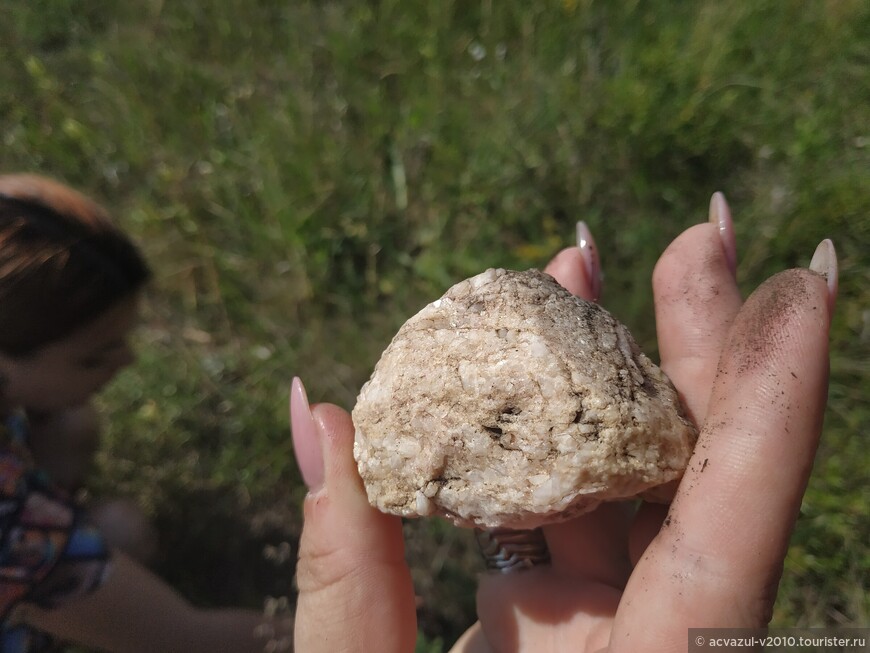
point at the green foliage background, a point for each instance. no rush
(305, 175)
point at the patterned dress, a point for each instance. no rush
(48, 554)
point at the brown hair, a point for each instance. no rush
(62, 262)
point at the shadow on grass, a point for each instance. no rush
(217, 553)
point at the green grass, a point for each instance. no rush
(304, 176)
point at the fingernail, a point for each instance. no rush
(306, 438)
(720, 215)
(589, 252)
(824, 262)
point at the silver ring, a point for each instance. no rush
(507, 550)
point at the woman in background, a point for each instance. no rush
(70, 286)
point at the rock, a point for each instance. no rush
(511, 403)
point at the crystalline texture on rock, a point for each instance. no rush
(511, 403)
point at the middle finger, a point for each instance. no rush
(696, 300)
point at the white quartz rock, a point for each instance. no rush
(511, 403)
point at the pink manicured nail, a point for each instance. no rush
(306, 439)
(589, 252)
(825, 263)
(720, 215)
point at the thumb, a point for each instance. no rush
(355, 591)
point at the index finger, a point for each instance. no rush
(718, 558)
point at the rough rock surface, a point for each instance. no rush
(509, 402)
